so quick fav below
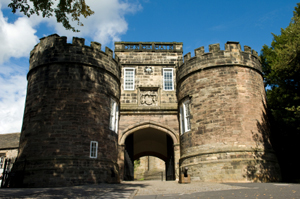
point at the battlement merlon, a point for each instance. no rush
(55, 39)
(231, 46)
(148, 47)
(232, 49)
(55, 49)
(231, 56)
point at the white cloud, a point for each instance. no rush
(16, 39)
(12, 97)
(106, 25)
(5, 3)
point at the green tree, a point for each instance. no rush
(281, 70)
(62, 10)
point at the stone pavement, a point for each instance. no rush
(160, 189)
(200, 190)
(124, 190)
(107, 191)
(172, 187)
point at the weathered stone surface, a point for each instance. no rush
(149, 168)
(70, 87)
(145, 81)
(228, 124)
(149, 105)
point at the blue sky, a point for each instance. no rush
(194, 22)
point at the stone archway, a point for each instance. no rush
(148, 139)
(146, 125)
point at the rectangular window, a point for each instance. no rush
(168, 79)
(117, 118)
(1, 162)
(93, 149)
(185, 124)
(114, 116)
(129, 78)
(181, 120)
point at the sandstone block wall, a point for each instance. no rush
(135, 55)
(149, 168)
(163, 109)
(70, 87)
(159, 110)
(227, 140)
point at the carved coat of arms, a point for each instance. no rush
(148, 98)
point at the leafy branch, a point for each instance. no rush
(47, 8)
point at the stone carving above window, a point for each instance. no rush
(148, 70)
(148, 98)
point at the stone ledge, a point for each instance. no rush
(218, 151)
(149, 113)
(228, 161)
(133, 107)
(56, 158)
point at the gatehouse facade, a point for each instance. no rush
(90, 113)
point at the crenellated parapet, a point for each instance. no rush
(148, 47)
(231, 56)
(55, 49)
(70, 94)
(222, 95)
(81, 101)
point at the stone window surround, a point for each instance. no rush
(184, 114)
(114, 116)
(165, 70)
(128, 79)
(93, 149)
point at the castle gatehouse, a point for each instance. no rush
(90, 113)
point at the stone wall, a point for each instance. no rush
(69, 94)
(142, 59)
(70, 87)
(9, 153)
(149, 168)
(143, 55)
(228, 140)
(149, 103)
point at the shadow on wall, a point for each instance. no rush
(264, 167)
(61, 118)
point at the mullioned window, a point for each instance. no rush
(185, 124)
(114, 116)
(129, 74)
(168, 83)
(93, 149)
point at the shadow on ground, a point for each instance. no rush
(124, 190)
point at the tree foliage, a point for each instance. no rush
(281, 70)
(62, 9)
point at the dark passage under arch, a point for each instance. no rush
(149, 142)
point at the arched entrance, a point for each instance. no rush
(148, 140)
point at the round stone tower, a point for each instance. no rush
(224, 129)
(70, 120)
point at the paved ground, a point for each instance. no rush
(85, 191)
(218, 191)
(173, 187)
(162, 189)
